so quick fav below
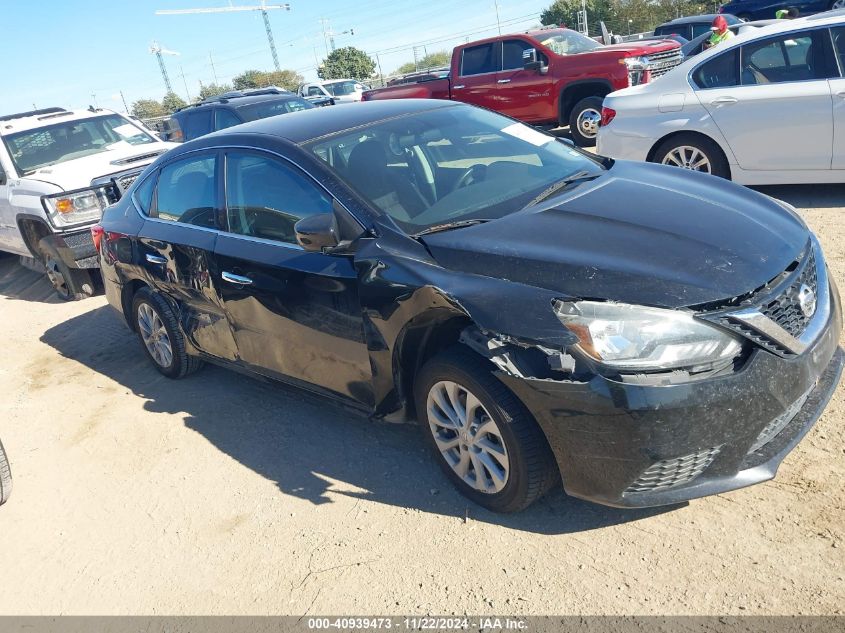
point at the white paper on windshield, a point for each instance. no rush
(525, 133)
(127, 130)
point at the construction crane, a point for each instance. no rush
(158, 50)
(263, 7)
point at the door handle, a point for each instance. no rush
(236, 279)
(156, 259)
(503, 81)
(724, 101)
(841, 94)
(456, 87)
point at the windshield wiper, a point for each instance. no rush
(446, 226)
(560, 184)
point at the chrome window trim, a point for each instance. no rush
(260, 240)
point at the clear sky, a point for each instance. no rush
(63, 52)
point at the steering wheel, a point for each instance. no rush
(471, 176)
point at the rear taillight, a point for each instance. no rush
(97, 233)
(607, 115)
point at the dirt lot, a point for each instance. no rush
(221, 494)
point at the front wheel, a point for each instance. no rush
(483, 437)
(694, 153)
(70, 284)
(584, 121)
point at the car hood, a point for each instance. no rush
(636, 49)
(642, 234)
(78, 173)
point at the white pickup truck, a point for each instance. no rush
(58, 170)
(341, 90)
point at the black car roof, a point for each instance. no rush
(236, 101)
(697, 19)
(306, 125)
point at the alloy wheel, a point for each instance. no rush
(689, 157)
(467, 437)
(56, 277)
(154, 335)
(589, 119)
(838, 4)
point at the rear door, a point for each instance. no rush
(772, 102)
(175, 245)
(295, 314)
(524, 94)
(478, 70)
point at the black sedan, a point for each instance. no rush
(646, 334)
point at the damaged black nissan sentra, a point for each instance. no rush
(643, 333)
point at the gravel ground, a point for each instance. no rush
(222, 494)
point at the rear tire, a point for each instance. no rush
(584, 121)
(70, 284)
(497, 456)
(693, 152)
(160, 335)
(5, 476)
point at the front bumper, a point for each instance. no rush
(630, 445)
(76, 248)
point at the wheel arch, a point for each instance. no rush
(694, 133)
(127, 296)
(33, 229)
(574, 91)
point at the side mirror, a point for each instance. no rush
(317, 232)
(532, 61)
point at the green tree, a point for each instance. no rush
(148, 109)
(287, 79)
(566, 12)
(212, 90)
(173, 102)
(432, 60)
(248, 79)
(347, 62)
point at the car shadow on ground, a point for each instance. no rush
(309, 447)
(23, 284)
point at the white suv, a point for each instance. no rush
(765, 107)
(341, 90)
(58, 170)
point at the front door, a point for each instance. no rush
(775, 112)
(295, 314)
(523, 94)
(176, 243)
(479, 67)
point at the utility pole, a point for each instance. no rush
(323, 23)
(122, 98)
(187, 94)
(498, 24)
(213, 70)
(263, 7)
(416, 66)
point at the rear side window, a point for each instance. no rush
(699, 29)
(273, 107)
(788, 58)
(839, 46)
(186, 191)
(196, 124)
(479, 59)
(144, 193)
(224, 118)
(266, 197)
(718, 72)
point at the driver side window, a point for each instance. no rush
(266, 197)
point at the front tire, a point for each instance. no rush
(693, 152)
(70, 284)
(5, 476)
(584, 121)
(483, 437)
(160, 335)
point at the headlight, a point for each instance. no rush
(76, 207)
(633, 337)
(635, 63)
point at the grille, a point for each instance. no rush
(777, 425)
(661, 63)
(124, 182)
(670, 473)
(785, 309)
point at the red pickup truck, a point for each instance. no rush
(553, 76)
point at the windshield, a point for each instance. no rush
(566, 41)
(272, 108)
(60, 142)
(341, 88)
(450, 165)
